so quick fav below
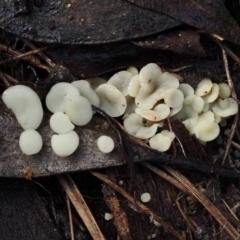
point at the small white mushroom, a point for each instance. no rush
(105, 144)
(134, 86)
(173, 98)
(95, 82)
(145, 197)
(134, 126)
(185, 113)
(65, 144)
(56, 98)
(153, 85)
(224, 90)
(207, 131)
(204, 87)
(133, 70)
(78, 109)
(213, 94)
(25, 104)
(160, 112)
(225, 108)
(112, 100)
(162, 141)
(197, 103)
(186, 89)
(121, 81)
(30, 142)
(60, 123)
(108, 216)
(86, 91)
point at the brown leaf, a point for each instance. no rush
(185, 41)
(98, 21)
(210, 16)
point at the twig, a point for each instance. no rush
(70, 217)
(80, 205)
(23, 55)
(31, 59)
(138, 204)
(230, 137)
(43, 56)
(229, 79)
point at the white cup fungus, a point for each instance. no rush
(105, 144)
(65, 144)
(25, 104)
(162, 141)
(225, 108)
(153, 83)
(78, 109)
(134, 126)
(86, 91)
(121, 81)
(204, 87)
(112, 100)
(60, 123)
(56, 98)
(160, 112)
(224, 90)
(30, 142)
(145, 197)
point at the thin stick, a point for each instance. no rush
(42, 55)
(137, 204)
(230, 137)
(31, 59)
(23, 55)
(70, 217)
(81, 206)
(230, 82)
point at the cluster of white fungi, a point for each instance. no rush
(144, 99)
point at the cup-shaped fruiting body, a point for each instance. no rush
(153, 85)
(121, 81)
(160, 112)
(134, 86)
(173, 98)
(105, 144)
(65, 98)
(65, 144)
(56, 98)
(162, 141)
(30, 142)
(79, 110)
(112, 100)
(207, 131)
(204, 87)
(60, 123)
(186, 89)
(213, 94)
(25, 104)
(86, 91)
(134, 126)
(224, 90)
(196, 103)
(145, 197)
(225, 108)
(95, 82)
(133, 70)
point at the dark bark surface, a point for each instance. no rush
(24, 214)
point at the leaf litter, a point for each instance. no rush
(205, 185)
